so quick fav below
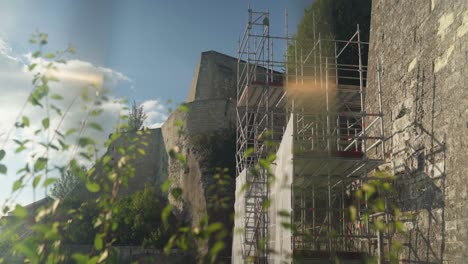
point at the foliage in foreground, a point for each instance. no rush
(87, 207)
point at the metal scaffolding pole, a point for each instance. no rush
(333, 134)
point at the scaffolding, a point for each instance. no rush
(260, 117)
(337, 142)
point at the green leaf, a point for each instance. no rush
(2, 154)
(85, 95)
(214, 227)
(28, 249)
(34, 101)
(218, 246)
(165, 186)
(98, 242)
(57, 110)
(106, 159)
(141, 151)
(165, 214)
(20, 212)
(18, 125)
(53, 78)
(17, 185)
(184, 108)
(248, 153)
(287, 225)
(70, 131)
(26, 121)
(56, 97)
(96, 112)
(176, 193)
(352, 213)
(84, 141)
(45, 123)
(60, 134)
(49, 55)
(32, 66)
(40, 164)
(19, 149)
(49, 181)
(85, 155)
(36, 54)
(36, 180)
(169, 245)
(63, 145)
(266, 204)
(96, 126)
(284, 213)
(399, 226)
(92, 187)
(80, 258)
(52, 146)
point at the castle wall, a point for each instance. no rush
(204, 117)
(422, 48)
(147, 154)
(215, 77)
(205, 136)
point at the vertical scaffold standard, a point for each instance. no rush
(321, 86)
(260, 118)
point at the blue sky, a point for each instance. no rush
(145, 50)
(155, 43)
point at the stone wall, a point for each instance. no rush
(215, 77)
(147, 154)
(204, 118)
(205, 135)
(422, 47)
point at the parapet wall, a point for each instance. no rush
(214, 78)
(422, 47)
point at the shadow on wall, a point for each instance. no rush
(420, 167)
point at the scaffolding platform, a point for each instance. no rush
(336, 142)
(254, 92)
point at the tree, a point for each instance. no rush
(136, 117)
(70, 183)
(332, 19)
(139, 219)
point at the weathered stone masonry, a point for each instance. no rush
(422, 46)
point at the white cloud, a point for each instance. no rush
(75, 77)
(156, 113)
(5, 50)
(15, 87)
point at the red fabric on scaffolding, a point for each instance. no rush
(349, 154)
